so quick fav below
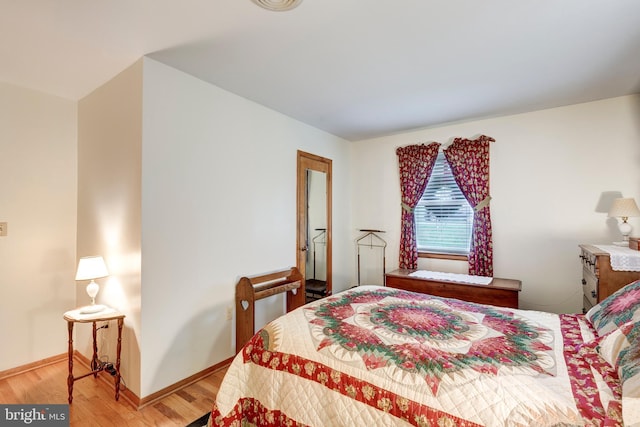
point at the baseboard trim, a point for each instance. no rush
(31, 366)
(152, 398)
(127, 394)
(139, 403)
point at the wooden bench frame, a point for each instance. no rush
(254, 288)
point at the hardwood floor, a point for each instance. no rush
(94, 403)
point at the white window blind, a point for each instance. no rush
(444, 218)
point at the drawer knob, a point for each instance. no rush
(593, 294)
(584, 282)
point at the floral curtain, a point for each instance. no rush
(469, 161)
(416, 163)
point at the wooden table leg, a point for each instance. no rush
(119, 348)
(95, 362)
(70, 377)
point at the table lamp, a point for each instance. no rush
(91, 268)
(624, 208)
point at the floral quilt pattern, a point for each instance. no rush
(408, 334)
(378, 356)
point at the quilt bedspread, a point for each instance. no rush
(380, 356)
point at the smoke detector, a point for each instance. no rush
(277, 5)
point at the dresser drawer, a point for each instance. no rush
(589, 289)
(589, 261)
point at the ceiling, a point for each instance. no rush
(354, 68)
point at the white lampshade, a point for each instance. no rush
(90, 268)
(624, 208)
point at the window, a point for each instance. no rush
(444, 218)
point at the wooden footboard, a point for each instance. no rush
(251, 289)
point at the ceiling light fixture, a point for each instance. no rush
(277, 5)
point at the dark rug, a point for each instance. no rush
(200, 422)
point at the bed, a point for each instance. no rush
(379, 356)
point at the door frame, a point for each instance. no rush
(314, 162)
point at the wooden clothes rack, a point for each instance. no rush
(251, 289)
(374, 241)
(316, 288)
(320, 238)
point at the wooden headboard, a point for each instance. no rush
(251, 289)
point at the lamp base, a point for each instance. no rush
(625, 229)
(623, 244)
(93, 308)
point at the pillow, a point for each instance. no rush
(618, 308)
(613, 343)
(621, 348)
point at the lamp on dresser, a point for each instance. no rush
(624, 208)
(91, 268)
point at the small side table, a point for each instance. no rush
(107, 314)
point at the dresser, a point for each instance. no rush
(500, 292)
(599, 280)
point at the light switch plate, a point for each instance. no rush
(3, 229)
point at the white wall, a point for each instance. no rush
(548, 171)
(109, 210)
(38, 201)
(218, 203)
(162, 191)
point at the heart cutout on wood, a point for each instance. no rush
(245, 304)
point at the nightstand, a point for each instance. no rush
(75, 316)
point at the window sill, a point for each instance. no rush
(454, 257)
